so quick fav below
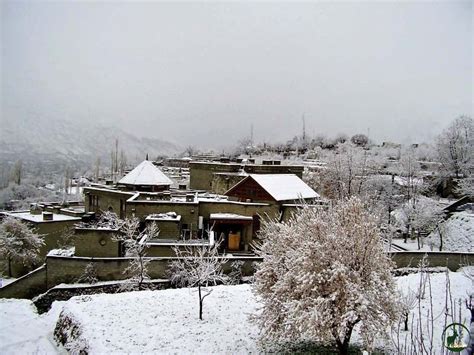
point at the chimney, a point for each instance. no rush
(47, 216)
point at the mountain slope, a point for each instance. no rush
(74, 141)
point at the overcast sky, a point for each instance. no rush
(203, 73)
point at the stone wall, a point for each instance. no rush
(60, 269)
(189, 211)
(107, 200)
(452, 260)
(27, 286)
(96, 243)
(202, 173)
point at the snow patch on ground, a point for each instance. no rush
(24, 331)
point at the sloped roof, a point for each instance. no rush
(282, 187)
(145, 173)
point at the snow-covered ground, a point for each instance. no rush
(167, 321)
(457, 233)
(23, 331)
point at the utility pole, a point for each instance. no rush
(304, 129)
(251, 134)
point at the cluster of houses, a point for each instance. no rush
(225, 200)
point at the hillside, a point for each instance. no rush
(59, 140)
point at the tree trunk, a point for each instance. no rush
(9, 266)
(200, 302)
(440, 238)
(406, 322)
(343, 347)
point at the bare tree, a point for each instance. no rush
(122, 165)
(135, 243)
(199, 267)
(97, 170)
(17, 172)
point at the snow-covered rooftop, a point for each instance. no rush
(38, 218)
(229, 216)
(145, 173)
(284, 187)
(169, 216)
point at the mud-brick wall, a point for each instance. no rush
(221, 183)
(108, 200)
(96, 242)
(28, 286)
(275, 169)
(52, 233)
(162, 250)
(201, 174)
(68, 269)
(168, 229)
(189, 211)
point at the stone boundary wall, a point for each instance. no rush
(27, 286)
(452, 260)
(62, 293)
(63, 269)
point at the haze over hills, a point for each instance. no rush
(61, 140)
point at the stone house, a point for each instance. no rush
(192, 214)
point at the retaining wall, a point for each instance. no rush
(62, 269)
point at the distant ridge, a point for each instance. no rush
(61, 140)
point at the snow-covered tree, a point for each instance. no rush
(360, 139)
(324, 272)
(199, 267)
(19, 243)
(409, 170)
(466, 186)
(419, 216)
(135, 243)
(456, 147)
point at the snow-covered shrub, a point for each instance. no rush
(19, 243)
(324, 272)
(236, 274)
(90, 274)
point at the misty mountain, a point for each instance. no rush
(72, 141)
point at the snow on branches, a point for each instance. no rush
(323, 273)
(135, 243)
(199, 267)
(19, 243)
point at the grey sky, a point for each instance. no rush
(202, 73)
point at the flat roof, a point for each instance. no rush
(38, 218)
(228, 216)
(170, 217)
